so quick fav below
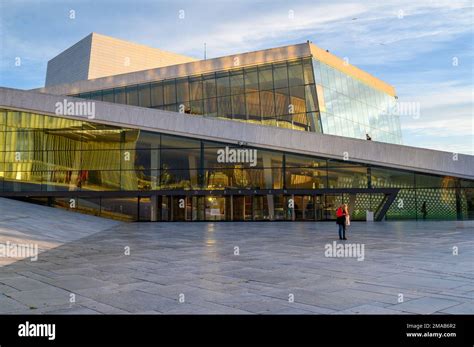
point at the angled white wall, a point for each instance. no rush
(98, 56)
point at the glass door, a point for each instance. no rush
(332, 202)
(215, 208)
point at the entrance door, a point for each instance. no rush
(304, 207)
(332, 202)
(146, 210)
(164, 208)
(260, 207)
(215, 208)
(318, 207)
(242, 206)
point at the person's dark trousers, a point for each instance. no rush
(342, 231)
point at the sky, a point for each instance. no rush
(423, 48)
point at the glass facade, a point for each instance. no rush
(352, 108)
(276, 94)
(303, 94)
(138, 175)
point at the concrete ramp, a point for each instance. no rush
(27, 227)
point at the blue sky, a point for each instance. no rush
(409, 44)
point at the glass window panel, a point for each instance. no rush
(119, 208)
(285, 121)
(318, 78)
(180, 158)
(130, 138)
(101, 160)
(24, 120)
(387, 178)
(237, 82)
(345, 89)
(179, 179)
(3, 118)
(144, 95)
(156, 94)
(251, 79)
(98, 180)
(108, 95)
(168, 141)
(324, 75)
(267, 103)
(172, 108)
(350, 177)
(314, 121)
(222, 178)
(209, 85)
(210, 107)
(140, 159)
(169, 92)
(407, 210)
(182, 90)
(310, 98)
(120, 96)
(238, 107)
(300, 121)
(332, 78)
(197, 107)
(265, 77)
(65, 180)
(280, 75)
(195, 87)
(223, 84)
(29, 140)
(305, 178)
(224, 107)
(308, 71)
(132, 95)
(303, 161)
(255, 179)
(61, 160)
(21, 160)
(295, 73)
(431, 181)
(297, 99)
(146, 179)
(252, 102)
(282, 102)
(96, 95)
(142, 139)
(21, 181)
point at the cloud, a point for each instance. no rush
(446, 120)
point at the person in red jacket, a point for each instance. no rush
(341, 221)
